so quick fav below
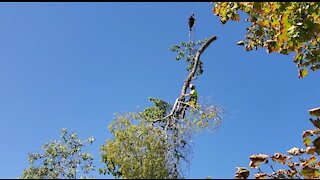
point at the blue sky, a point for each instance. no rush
(74, 64)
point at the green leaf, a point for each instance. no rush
(317, 173)
(307, 141)
(298, 57)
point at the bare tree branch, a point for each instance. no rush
(195, 64)
(189, 77)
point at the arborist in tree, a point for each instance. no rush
(193, 100)
(193, 95)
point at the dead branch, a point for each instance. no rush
(189, 77)
(195, 64)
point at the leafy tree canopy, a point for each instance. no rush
(142, 148)
(62, 159)
(282, 27)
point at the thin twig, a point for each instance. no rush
(260, 170)
(272, 169)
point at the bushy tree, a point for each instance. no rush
(137, 150)
(156, 143)
(142, 148)
(62, 159)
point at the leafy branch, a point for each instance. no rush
(157, 141)
(300, 162)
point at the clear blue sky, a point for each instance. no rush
(74, 64)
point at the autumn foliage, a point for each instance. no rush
(282, 27)
(297, 163)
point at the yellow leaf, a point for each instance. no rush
(265, 23)
(215, 10)
(314, 42)
(303, 73)
(290, 44)
(283, 37)
(275, 23)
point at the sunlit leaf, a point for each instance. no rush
(310, 150)
(310, 132)
(223, 20)
(303, 73)
(283, 37)
(315, 112)
(265, 23)
(281, 158)
(241, 43)
(260, 176)
(295, 151)
(256, 160)
(242, 173)
(307, 141)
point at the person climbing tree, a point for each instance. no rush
(193, 100)
(193, 95)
